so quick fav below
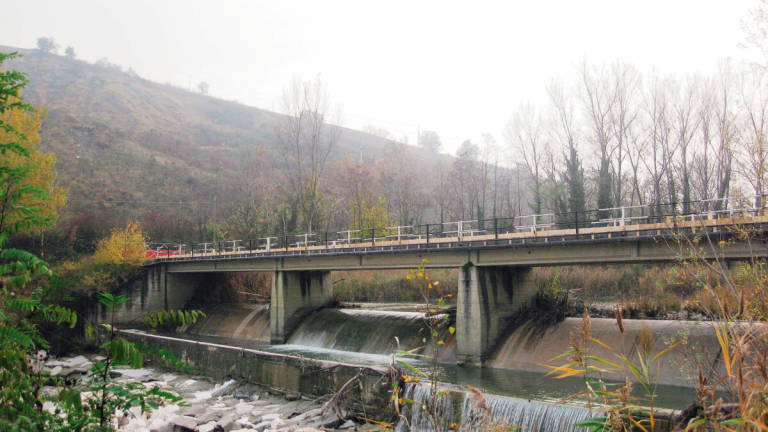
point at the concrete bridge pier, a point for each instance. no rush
(156, 290)
(295, 294)
(488, 297)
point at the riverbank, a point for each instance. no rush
(209, 404)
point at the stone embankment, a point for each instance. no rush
(224, 406)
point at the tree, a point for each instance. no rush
(599, 99)
(574, 172)
(70, 52)
(20, 398)
(47, 45)
(430, 140)
(203, 87)
(307, 136)
(379, 132)
(524, 135)
(122, 246)
(40, 167)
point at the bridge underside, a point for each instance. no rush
(494, 281)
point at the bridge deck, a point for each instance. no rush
(724, 227)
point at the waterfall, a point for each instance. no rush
(235, 320)
(362, 331)
(460, 407)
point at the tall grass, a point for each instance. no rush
(387, 286)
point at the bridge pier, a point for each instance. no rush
(488, 297)
(296, 294)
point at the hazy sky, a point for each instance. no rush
(459, 68)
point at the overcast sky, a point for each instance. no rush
(459, 68)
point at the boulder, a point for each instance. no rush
(184, 423)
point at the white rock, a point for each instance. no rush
(159, 425)
(136, 374)
(185, 422)
(243, 408)
(349, 424)
(263, 425)
(202, 395)
(56, 371)
(50, 407)
(208, 427)
(270, 417)
(244, 422)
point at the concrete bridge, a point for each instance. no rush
(494, 268)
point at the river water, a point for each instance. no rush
(373, 337)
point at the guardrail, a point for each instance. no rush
(637, 222)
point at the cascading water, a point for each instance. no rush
(531, 415)
(237, 321)
(461, 408)
(366, 331)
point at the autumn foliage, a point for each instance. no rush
(122, 246)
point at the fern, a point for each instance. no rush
(12, 335)
(172, 318)
(123, 351)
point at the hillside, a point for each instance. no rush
(122, 138)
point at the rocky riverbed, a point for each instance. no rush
(208, 406)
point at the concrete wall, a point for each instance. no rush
(288, 374)
(155, 290)
(530, 348)
(294, 296)
(488, 298)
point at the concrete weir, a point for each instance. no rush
(290, 375)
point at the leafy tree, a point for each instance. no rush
(39, 167)
(20, 304)
(203, 87)
(122, 246)
(47, 45)
(574, 179)
(374, 214)
(70, 52)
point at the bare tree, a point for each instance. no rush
(70, 52)
(307, 135)
(524, 136)
(753, 162)
(625, 81)
(685, 126)
(203, 87)
(599, 98)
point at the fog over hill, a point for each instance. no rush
(126, 146)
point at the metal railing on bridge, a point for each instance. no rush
(590, 225)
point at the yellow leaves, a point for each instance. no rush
(408, 379)
(440, 342)
(42, 173)
(408, 277)
(122, 246)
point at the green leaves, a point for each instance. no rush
(172, 318)
(121, 351)
(111, 301)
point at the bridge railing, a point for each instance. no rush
(519, 228)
